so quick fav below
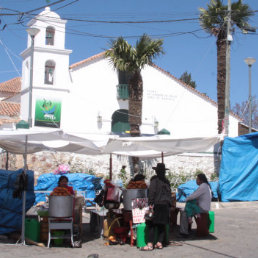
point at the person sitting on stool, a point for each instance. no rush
(196, 203)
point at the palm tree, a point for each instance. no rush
(132, 60)
(214, 21)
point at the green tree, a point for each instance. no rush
(125, 57)
(187, 78)
(214, 21)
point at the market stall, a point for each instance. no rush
(25, 141)
(34, 140)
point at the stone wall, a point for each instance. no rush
(46, 162)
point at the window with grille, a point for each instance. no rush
(122, 87)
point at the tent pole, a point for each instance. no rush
(7, 160)
(110, 166)
(24, 195)
(162, 157)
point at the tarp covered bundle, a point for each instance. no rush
(11, 208)
(189, 187)
(79, 182)
(238, 178)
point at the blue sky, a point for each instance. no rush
(186, 46)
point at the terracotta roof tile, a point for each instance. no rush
(9, 109)
(87, 60)
(9, 120)
(12, 86)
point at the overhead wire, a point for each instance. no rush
(76, 32)
(61, 7)
(6, 50)
(82, 33)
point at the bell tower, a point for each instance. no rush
(45, 71)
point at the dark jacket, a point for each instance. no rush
(159, 192)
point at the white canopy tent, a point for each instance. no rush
(153, 146)
(25, 141)
(16, 141)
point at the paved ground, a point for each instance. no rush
(236, 234)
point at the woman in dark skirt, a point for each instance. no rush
(160, 199)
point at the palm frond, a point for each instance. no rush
(214, 18)
(120, 54)
(124, 57)
(148, 49)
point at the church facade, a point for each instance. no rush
(91, 97)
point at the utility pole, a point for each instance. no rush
(227, 86)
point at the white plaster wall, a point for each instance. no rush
(61, 74)
(42, 53)
(93, 93)
(58, 90)
(25, 73)
(178, 109)
(24, 112)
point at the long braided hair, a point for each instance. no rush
(202, 177)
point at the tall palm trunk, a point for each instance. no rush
(135, 103)
(135, 110)
(221, 77)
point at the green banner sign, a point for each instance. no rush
(47, 113)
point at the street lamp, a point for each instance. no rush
(250, 61)
(32, 32)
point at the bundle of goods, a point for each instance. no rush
(60, 191)
(137, 185)
(62, 169)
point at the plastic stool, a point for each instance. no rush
(212, 221)
(203, 224)
(142, 235)
(32, 229)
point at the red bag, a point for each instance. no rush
(112, 192)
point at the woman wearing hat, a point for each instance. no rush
(160, 198)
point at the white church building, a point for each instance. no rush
(91, 97)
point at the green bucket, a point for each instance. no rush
(142, 235)
(32, 229)
(58, 241)
(212, 221)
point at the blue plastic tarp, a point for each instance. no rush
(11, 208)
(238, 180)
(189, 187)
(79, 182)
